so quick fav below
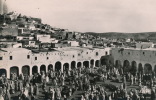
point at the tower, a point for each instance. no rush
(1, 6)
(5, 7)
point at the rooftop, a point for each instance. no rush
(75, 49)
(148, 49)
(62, 49)
(13, 49)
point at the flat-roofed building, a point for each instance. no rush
(136, 59)
(27, 62)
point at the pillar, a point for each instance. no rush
(8, 73)
(94, 64)
(89, 64)
(62, 67)
(39, 68)
(30, 70)
(46, 68)
(20, 70)
(53, 67)
(81, 64)
(69, 66)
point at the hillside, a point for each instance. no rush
(136, 36)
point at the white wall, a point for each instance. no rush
(142, 56)
(64, 56)
(144, 45)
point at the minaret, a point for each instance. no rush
(1, 6)
(5, 7)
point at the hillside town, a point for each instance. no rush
(41, 62)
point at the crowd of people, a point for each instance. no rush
(57, 85)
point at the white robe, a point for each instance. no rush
(47, 79)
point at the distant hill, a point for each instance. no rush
(136, 36)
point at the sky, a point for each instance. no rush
(91, 15)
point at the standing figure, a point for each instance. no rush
(16, 86)
(82, 97)
(31, 89)
(12, 87)
(70, 92)
(131, 80)
(36, 90)
(135, 79)
(47, 78)
(7, 95)
(153, 95)
(51, 93)
(20, 85)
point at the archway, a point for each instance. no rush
(126, 66)
(50, 67)
(26, 70)
(3, 72)
(97, 63)
(34, 70)
(140, 68)
(14, 70)
(42, 69)
(117, 63)
(92, 63)
(66, 66)
(57, 66)
(103, 61)
(86, 64)
(79, 65)
(147, 69)
(73, 65)
(134, 68)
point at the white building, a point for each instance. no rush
(144, 45)
(24, 37)
(130, 58)
(27, 62)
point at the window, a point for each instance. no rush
(47, 57)
(35, 58)
(28, 56)
(78, 54)
(11, 58)
(97, 53)
(86, 52)
(143, 53)
(73, 56)
(1, 58)
(128, 53)
(106, 52)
